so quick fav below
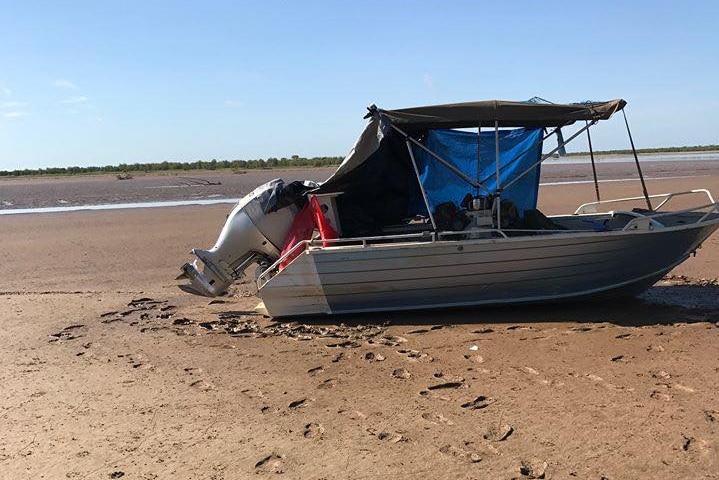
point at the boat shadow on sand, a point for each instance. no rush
(660, 305)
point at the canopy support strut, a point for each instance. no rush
(547, 155)
(636, 161)
(421, 187)
(498, 195)
(441, 160)
(594, 168)
(479, 155)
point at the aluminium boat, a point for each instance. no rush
(436, 207)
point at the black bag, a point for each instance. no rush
(448, 218)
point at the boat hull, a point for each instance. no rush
(420, 275)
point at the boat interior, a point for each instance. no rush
(587, 218)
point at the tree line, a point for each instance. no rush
(685, 149)
(238, 165)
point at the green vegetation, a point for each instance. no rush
(294, 161)
(686, 149)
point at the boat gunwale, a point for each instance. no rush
(564, 235)
(543, 234)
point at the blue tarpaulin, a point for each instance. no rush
(460, 149)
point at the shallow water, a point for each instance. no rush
(628, 158)
(116, 206)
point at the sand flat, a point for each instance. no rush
(109, 371)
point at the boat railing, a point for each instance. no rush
(591, 207)
(265, 276)
(429, 237)
(650, 221)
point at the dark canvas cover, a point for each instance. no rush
(507, 113)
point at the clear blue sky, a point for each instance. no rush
(105, 82)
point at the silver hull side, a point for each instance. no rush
(546, 268)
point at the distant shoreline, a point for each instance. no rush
(295, 162)
(651, 151)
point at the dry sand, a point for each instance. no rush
(95, 385)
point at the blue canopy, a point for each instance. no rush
(460, 149)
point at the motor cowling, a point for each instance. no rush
(254, 232)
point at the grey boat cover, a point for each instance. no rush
(507, 113)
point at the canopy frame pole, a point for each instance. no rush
(421, 187)
(594, 168)
(444, 162)
(547, 155)
(636, 161)
(519, 155)
(479, 154)
(498, 190)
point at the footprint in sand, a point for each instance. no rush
(110, 317)
(430, 394)
(450, 382)
(340, 356)
(533, 469)
(314, 371)
(437, 418)
(374, 357)
(661, 375)
(479, 403)
(420, 331)
(70, 332)
(519, 327)
(302, 402)
(329, 383)
(202, 385)
(462, 453)
(683, 388)
(345, 344)
(389, 340)
(416, 355)
(183, 321)
(475, 358)
(211, 325)
(401, 373)
(272, 463)
(313, 430)
(658, 395)
(385, 436)
(484, 330)
(498, 433)
(447, 385)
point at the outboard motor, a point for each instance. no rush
(254, 232)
